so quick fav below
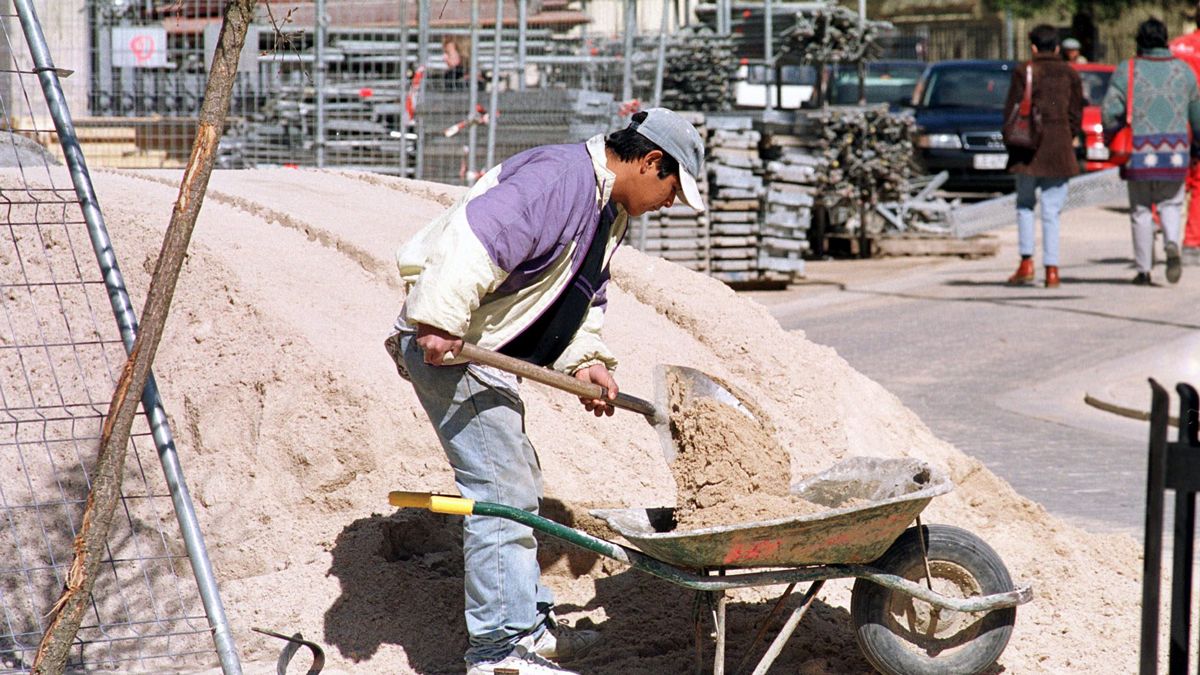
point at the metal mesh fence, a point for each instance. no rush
(379, 85)
(60, 353)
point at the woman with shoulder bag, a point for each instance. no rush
(1155, 98)
(1043, 115)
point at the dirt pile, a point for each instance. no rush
(728, 468)
(293, 427)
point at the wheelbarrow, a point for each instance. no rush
(928, 599)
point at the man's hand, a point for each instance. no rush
(437, 343)
(598, 374)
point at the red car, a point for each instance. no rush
(1093, 155)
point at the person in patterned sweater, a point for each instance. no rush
(1187, 48)
(1165, 116)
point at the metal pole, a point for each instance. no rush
(630, 29)
(494, 106)
(473, 99)
(769, 51)
(862, 66)
(1009, 48)
(118, 297)
(661, 61)
(403, 88)
(522, 19)
(322, 21)
(422, 54)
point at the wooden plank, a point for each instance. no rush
(919, 244)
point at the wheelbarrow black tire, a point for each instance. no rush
(891, 627)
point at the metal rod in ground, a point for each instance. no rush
(660, 61)
(473, 100)
(227, 52)
(627, 53)
(422, 55)
(789, 627)
(493, 113)
(321, 34)
(404, 121)
(522, 20)
(769, 52)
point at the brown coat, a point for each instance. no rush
(1058, 94)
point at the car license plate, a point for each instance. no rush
(1097, 153)
(990, 161)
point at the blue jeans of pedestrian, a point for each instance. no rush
(480, 421)
(1054, 196)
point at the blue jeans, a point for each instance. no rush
(1054, 195)
(480, 420)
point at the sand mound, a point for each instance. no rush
(293, 426)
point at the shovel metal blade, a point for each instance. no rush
(694, 385)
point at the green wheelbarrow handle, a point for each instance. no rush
(698, 581)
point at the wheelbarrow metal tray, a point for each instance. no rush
(887, 494)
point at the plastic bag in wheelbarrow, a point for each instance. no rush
(869, 502)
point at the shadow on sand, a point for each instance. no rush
(401, 584)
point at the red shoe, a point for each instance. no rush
(1024, 273)
(1052, 276)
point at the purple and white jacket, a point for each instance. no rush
(491, 265)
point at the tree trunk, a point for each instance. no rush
(71, 606)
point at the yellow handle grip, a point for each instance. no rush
(458, 506)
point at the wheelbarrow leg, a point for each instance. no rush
(719, 656)
(711, 603)
(788, 628)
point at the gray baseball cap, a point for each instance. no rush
(679, 139)
(1071, 43)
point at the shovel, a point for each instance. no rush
(695, 383)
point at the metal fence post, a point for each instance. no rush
(126, 320)
(769, 52)
(494, 104)
(473, 100)
(404, 120)
(630, 29)
(522, 20)
(422, 55)
(319, 78)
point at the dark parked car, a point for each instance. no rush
(959, 109)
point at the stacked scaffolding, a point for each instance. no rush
(735, 172)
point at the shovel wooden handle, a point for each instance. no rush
(553, 378)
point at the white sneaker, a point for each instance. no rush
(560, 641)
(519, 662)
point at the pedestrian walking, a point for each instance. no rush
(1071, 51)
(520, 265)
(1055, 96)
(1164, 109)
(1187, 49)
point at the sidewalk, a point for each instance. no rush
(1002, 372)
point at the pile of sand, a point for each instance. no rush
(293, 426)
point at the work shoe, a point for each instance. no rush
(1174, 268)
(520, 662)
(560, 641)
(1024, 273)
(1142, 279)
(1052, 280)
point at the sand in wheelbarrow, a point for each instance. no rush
(293, 426)
(728, 467)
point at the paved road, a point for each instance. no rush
(1001, 372)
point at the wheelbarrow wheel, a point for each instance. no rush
(901, 635)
